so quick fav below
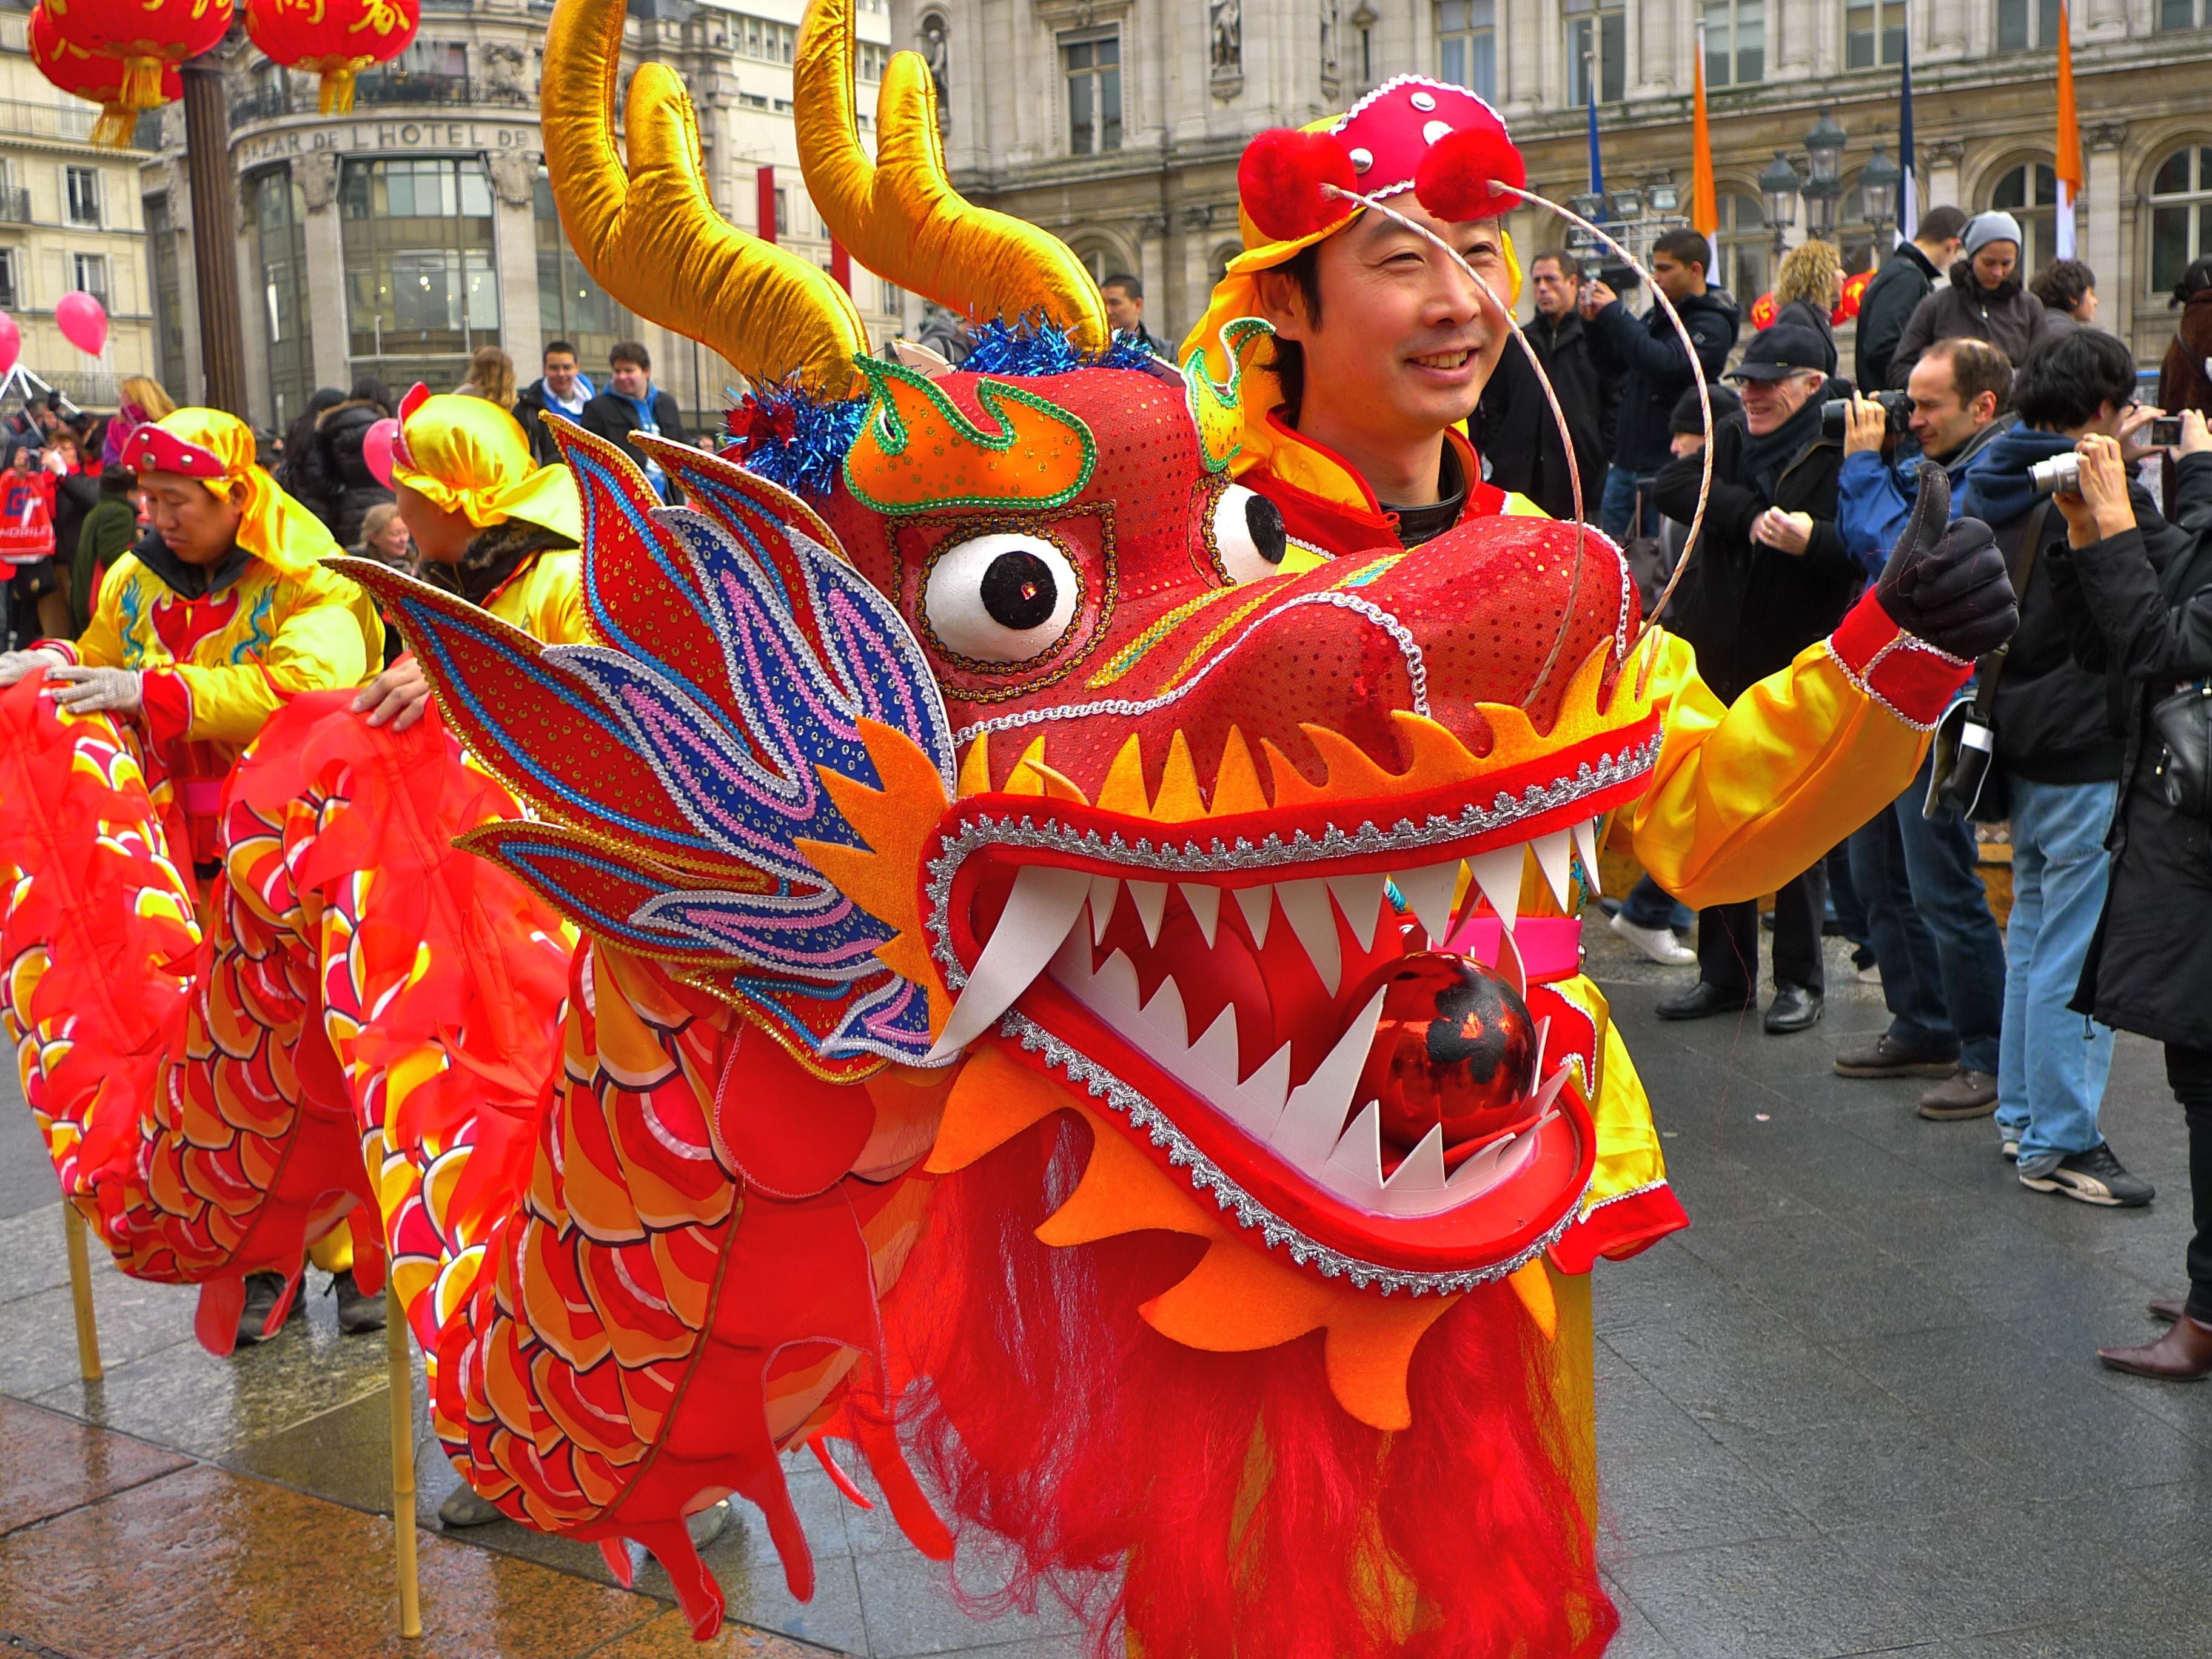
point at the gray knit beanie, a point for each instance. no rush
(1992, 227)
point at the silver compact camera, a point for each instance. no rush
(2059, 476)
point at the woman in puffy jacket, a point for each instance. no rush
(341, 435)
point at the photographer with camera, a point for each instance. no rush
(1767, 578)
(2055, 764)
(2146, 618)
(1515, 435)
(1916, 872)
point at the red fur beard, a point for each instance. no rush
(1224, 1505)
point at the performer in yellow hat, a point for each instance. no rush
(492, 527)
(218, 616)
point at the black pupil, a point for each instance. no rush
(1265, 520)
(1020, 591)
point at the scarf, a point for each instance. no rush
(1764, 458)
(1998, 489)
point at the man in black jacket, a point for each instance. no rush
(1768, 576)
(1516, 434)
(1907, 277)
(561, 392)
(632, 403)
(1646, 355)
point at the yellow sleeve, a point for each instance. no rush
(102, 644)
(1747, 795)
(327, 636)
(546, 601)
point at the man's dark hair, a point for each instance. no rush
(369, 388)
(2067, 379)
(2194, 281)
(1976, 366)
(552, 346)
(1128, 285)
(2060, 284)
(1941, 224)
(629, 351)
(1565, 261)
(1304, 269)
(1686, 246)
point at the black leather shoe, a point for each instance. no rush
(1795, 1008)
(1704, 999)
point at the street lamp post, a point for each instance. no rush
(1777, 187)
(1878, 182)
(1824, 151)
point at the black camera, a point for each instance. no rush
(1836, 416)
(1621, 278)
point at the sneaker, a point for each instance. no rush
(2094, 1177)
(1885, 1056)
(705, 1526)
(1869, 975)
(463, 1507)
(1963, 1094)
(357, 1311)
(2008, 1143)
(262, 1292)
(1657, 943)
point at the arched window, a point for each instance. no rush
(1098, 259)
(2037, 215)
(2180, 214)
(1745, 248)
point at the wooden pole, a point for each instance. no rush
(403, 1460)
(80, 1260)
(214, 233)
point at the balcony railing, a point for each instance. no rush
(383, 88)
(15, 205)
(72, 122)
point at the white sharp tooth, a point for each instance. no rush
(1313, 1118)
(1553, 852)
(1360, 898)
(1213, 1056)
(1204, 908)
(1586, 850)
(1543, 1042)
(1103, 891)
(1164, 1014)
(1423, 1171)
(1509, 962)
(1114, 986)
(1258, 905)
(1541, 1100)
(1151, 898)
(1497, 1161)
(1041, 908)
(1498, 873)
(1257, 1101)
(1306, 906)
(1357, 1161)
(1431, 892)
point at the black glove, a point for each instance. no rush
(1945, 583)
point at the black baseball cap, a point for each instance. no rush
(1777, 353)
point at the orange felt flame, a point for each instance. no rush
(917, 452)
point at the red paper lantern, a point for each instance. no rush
(92, 76)
(336, 38)
(1763, 310)
(1855, 290)
(148, 38)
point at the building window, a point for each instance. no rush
(12, 289)
(1597, 38)
(1735, 42)
(783, 213)
(2025, 25)
(894, 298)
(168, 292)
(1092, 63)
(771, 43)
(874, 59)
(89, 275)
(81, 191)
(1466, 45)
(421, 288)
(2038, 218)
(1745, 245)
(571, 306)
(2180, 14)
(276, 221)
(1874, 32)
(2180, 215)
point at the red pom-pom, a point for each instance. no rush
(1281, 182)
(1458, 175)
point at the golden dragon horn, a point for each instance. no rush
(651, 237)
(899, 215)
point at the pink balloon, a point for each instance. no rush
(83, 321)
(11, 343)
(376, 449)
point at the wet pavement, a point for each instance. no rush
(1855, 1410)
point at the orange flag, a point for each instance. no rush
(1705, 207)
(2069, 140)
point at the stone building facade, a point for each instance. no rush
(396, 240)
(1118, 122)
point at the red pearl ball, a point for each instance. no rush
(1456, 1045)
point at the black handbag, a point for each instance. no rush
(2183, 722)
(1964, 780)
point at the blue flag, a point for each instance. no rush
(1908, 188)
(1597, 167)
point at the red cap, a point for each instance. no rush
(1388, 133)
(152, 450)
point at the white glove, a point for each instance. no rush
(95, 691)
(13, 664)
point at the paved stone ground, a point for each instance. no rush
(1854, 1410)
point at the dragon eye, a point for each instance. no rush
(1001, 597)
(1248, 535)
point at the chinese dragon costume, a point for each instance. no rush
(978, 956)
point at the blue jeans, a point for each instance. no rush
(2051, 1080)
(1651, 905)
(1616, 510)
(1928, 917)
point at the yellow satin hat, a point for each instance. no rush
(467, 455)
(218, 449)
